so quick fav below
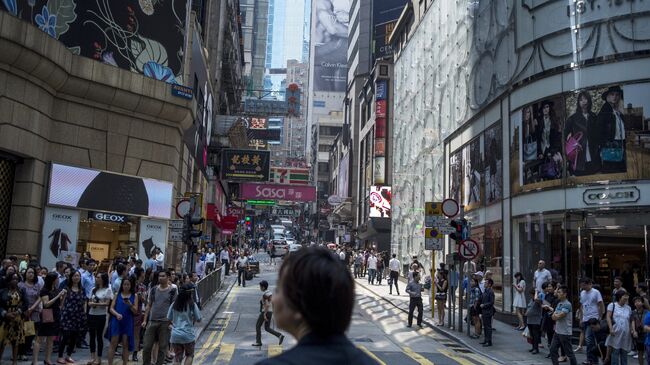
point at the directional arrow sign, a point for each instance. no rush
(446, 229)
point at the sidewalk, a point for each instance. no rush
(212, 307)
(509, 346)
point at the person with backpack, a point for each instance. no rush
(182, 314)
(155, 320)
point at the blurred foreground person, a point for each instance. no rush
(313, 302)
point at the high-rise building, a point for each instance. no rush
(254, 26)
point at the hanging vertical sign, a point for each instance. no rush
(60, 232)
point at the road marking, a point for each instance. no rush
(480, 359)
(225, 353)
(415, 356)
(206, 351)
(274, 350)
(364, 349)
(456, 357)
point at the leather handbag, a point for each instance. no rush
(47, 315)
(548, 170)
(572, 148)
(612, 152)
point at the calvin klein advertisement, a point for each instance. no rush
(330, 39)
(493, 164)
(60, 232)
(101, 190)
(153, 234)
(472, 175)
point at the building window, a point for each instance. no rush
(323, 148)
(323, 167)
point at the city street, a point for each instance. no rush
(377, 327)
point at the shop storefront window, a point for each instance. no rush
(107, 236)
(493, 260)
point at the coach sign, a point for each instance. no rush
(296, 193)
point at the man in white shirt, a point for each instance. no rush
(393, 266)
(210, 261)
(199, 267)
(591, 306)
(242, 265)
(342, 255)
(541, 276)
(224, 256)
(160, 259)
(372, 268)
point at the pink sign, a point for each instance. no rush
(296, 193)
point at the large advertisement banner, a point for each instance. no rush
(385, 15)
(60, 233)
(493, 152)
(153, 234)
(455, 175)
(102, 190)
(473, 175)
(380, 201)
(585, 136)
(296, 193)
(330, 39)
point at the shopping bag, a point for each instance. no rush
(47, 315)
(30, 329)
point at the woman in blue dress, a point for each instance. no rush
(123, 308)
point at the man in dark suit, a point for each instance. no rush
(487, 312)
(610, 119)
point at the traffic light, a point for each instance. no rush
(188, 228)
(460, 225)
(248, 223)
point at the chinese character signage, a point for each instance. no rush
(380, 109)
(245, 165)
(381, 90)
(293, 100)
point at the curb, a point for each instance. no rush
(221, 300)
(449, 335)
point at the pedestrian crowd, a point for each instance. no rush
(128, 309)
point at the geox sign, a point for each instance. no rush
(106, 217)
(616, 195)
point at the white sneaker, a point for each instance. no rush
(633, 353)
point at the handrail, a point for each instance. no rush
(210, 284)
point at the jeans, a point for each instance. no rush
(394, 275)
(379, 276)
(619, 356)
(413, 303)
(225, 262)
(69, 339)
(563, 342)
(157, 331)
(590, 342)
(241, 277)
(535, 334)
(96, 326)
(357, 271)
(267, 327)
(371, 275)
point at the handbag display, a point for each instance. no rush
(612, 152)
(548, 170)
(530, 149)
(572, 148)
(47, 315)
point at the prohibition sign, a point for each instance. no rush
(450, 208)
(183, 207)
(468, 249)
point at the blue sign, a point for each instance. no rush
(319, 104)
(381, 90)
(182, 91)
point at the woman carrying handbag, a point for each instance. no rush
(51, 298)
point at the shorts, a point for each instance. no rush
(183, 348)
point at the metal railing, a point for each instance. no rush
(210, 284)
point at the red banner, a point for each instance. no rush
(380, 128)
(213, 213)
(380, 109)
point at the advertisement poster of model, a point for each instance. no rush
(60, 227)
(153, 234)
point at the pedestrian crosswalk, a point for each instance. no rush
(243, 354)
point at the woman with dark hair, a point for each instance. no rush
(141, 293)
(313, 301)
(13, 305)
(51, 297)
(441, 295)
(619, 318)
(123, 307)
(582, 145)
(73, 317)
(519, 301)
(32, 289)
(183, 314)
(100, 300)
(549, 141)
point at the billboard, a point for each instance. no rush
(296, 193)
(125, 35)
(342, 185)
(385, 15)
(245, 165)
(330, 39)
(290, 175)
(153, 234)
(102, 190)
(60, 232)
(380, 201)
